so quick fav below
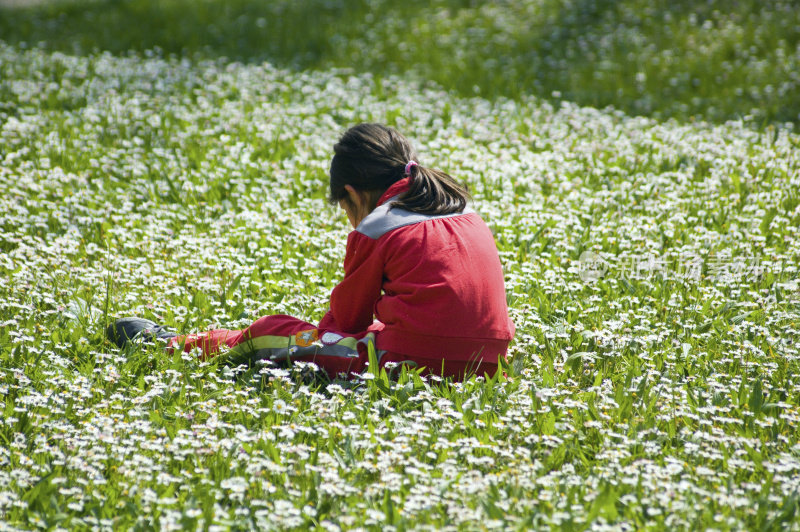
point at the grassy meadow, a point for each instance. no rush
(715, 60)
(638, 166)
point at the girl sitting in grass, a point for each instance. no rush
(422, 276)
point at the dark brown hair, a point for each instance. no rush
(372, 157)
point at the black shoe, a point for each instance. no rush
(140, 330)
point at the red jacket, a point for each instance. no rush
(433, 283)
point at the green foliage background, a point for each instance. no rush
(718, 60)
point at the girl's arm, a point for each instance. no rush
(353, 299)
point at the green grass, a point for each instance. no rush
(190, 188)
(716, 60)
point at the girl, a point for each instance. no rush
(422, 276)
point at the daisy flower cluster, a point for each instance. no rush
(651, 270)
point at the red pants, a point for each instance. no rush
(280, 338)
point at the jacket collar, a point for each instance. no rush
(397, 188)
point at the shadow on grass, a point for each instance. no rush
(676, 60)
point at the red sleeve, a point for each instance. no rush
(353, 299)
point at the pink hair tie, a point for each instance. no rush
(409, 166)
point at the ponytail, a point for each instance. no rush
(432, 192)
(372, 157)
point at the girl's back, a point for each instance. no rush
(434, 282)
